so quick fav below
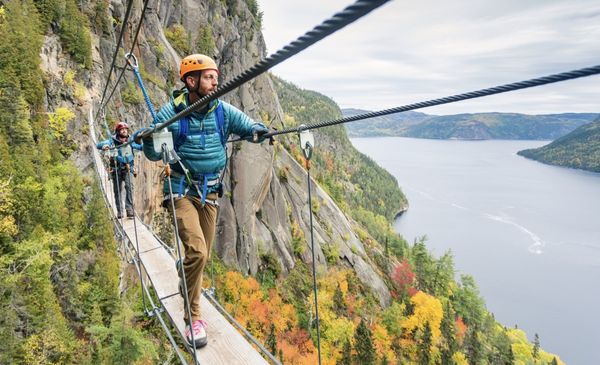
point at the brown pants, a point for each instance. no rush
(196, 225)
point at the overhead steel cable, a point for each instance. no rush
(112, 65)
(570, 75)
(137, 32)
(338, 21)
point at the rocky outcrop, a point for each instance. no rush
(265, 209)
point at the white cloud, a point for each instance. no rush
(408, 51)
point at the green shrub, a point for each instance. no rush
(205, 43)
(179, 39)
(132, 95)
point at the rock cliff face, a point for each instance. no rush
(266, 209)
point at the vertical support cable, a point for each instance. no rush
(307, 143)
(137, 243)
(185, 290)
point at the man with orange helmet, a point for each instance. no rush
(121, 166)
(200, 142)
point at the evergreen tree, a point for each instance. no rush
(339, 306)
(501, 353)
(449, 344)
(444, 274)
(424, 346)
(363, 344)
(554, 361)
(535, 353)
(422, 264)
(271, 342)
(473, 346)
(468, 303)
(346, 358)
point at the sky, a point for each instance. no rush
(416, 50)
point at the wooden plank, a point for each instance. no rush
(225, 344)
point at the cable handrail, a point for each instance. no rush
(133, 44)
(564, 76)
(338, 21)
(112, 65)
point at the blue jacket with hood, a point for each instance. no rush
(121, 158)
(202, 152)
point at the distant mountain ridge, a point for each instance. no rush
(579, 149)
(467, 126)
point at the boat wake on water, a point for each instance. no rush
(535, 247)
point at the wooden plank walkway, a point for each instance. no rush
(225, 344)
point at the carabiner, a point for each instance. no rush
(128, 58)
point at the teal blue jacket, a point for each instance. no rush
(206, 157)
(115, 142)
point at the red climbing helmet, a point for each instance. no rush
(121, 125)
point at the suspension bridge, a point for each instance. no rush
(229, 342)
(156, 266)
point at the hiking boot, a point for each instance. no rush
(200, 338)
(119, 215)
(130, 214)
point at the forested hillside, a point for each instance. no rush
(68, 297)
(352, 179)
(579, 149)
(468, 126)
(60, 300)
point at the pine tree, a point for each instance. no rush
(449, 344)
(535, 353)
(424, 346)
(339, 306)
(346, 358)
(554, 361)
(423, 265)
(363, 344)
(271, 342)
(473, 346)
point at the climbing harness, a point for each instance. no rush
(200, 182)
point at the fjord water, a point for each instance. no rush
(529, 233)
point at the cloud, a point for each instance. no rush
(426, 49)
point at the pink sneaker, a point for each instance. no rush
(200, 338)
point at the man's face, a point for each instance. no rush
(209, 80)
(124, 132)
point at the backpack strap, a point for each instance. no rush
(184, 128)
(220, 116)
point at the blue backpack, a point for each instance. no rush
(184, 128)
(184, 131)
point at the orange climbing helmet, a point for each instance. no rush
(121, 125)
(196, 62)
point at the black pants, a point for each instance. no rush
(120, 178)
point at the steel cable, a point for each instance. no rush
(339, 20)
(570, 75)
(137, 32)
(112, 65)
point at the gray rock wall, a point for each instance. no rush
(260, 207)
